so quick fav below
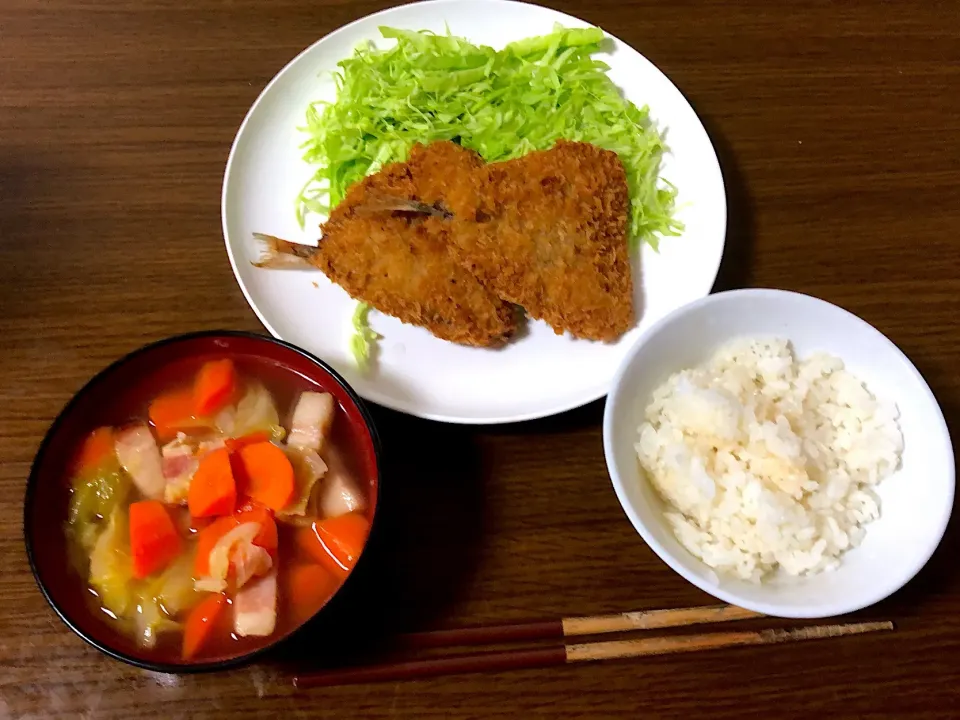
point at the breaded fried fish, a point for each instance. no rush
(547, 231)
(450, 243)
(387, 249)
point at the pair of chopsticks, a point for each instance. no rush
(560, 654)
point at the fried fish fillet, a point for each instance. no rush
(452, 244)
(387, 249)
(547, 231)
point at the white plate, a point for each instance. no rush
(537, 375)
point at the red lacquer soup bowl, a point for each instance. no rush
(121, 394)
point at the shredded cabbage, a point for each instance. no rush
(256, 412)
(111, 570)
(363, 336)
(173, 590)
(308, 468)
(502, 104)
(95, 497)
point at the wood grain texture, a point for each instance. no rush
(838, 130)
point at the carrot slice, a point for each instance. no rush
(268, 475)
(267, 538)
(206, 539)
(215, 386)
(345, 535)
(212, 489)
(200, 623)
(96, 450)
(154, 540)
(336, 542)
(172, 412)
(307, 588)
(235, 444)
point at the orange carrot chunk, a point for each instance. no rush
(172, 412)
(268, 475)
(267, 538)
(215, 386)
(154, 540)
(306, 589)
(235, 444)
(206, 539)
(336, 542)
(212, 489)
(200, 624)
(95, 451)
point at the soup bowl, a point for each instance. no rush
(110, 398)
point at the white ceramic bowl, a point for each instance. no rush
(915, 502)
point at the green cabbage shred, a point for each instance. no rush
(502, 104)
(363, 336)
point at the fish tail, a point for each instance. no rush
(281, 254)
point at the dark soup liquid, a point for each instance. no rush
(214, 506)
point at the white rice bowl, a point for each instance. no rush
(837, 547)
(768, 463)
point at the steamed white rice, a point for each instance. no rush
(767, 463)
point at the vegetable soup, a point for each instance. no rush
(220, 507)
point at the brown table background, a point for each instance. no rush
(838, 130)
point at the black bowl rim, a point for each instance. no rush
(32, 481)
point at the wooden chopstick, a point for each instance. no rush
(575, 626)
(584, 652)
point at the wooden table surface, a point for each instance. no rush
(838, 129)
